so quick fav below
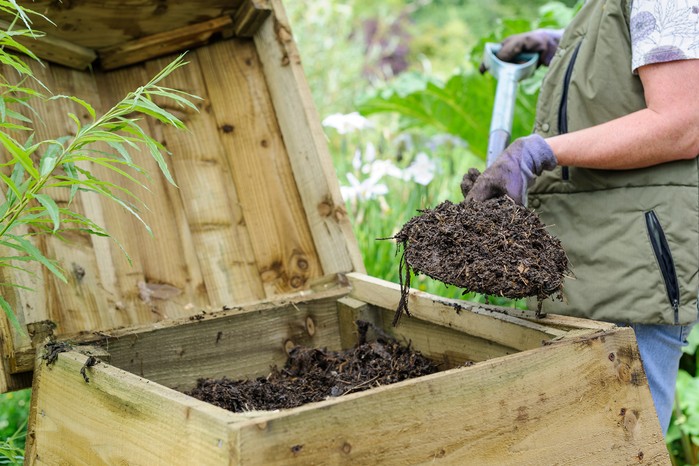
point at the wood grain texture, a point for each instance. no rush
(460, 315)
(234, 231)
(566, 405)
(303, 135)
(209, 195)
(522, 409)
(118, 418)
(239, 343)
(98, 24)
(283, 247)
(56, 50)
(250, 16)
(164, 43)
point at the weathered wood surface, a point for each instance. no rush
(460, 315)
(164, 43)
(98, 24)
(119, 418)
(240, 343)
(235, 230)
(258, 156)
(577, 402)
(250, 16)
(303, 135)
(568, 404)
(55, 49)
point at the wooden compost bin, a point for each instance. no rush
(253, 253)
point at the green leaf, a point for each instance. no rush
(19, 154)
(149, 108)
(81, 102)
(23, 245)
(51, 209)
(119, 147)
(14, 192)
(11, 315)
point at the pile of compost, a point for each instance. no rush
(495, 247)
(316, 374)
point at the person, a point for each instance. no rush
(612, 167)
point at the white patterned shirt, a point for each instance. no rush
(664, 30)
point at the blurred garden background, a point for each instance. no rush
(406, 113)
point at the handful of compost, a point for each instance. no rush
(495, 247)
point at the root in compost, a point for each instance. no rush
(312, 374)
(495, 247)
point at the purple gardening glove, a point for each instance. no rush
(512, 172)
(541, 41)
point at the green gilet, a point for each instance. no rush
(632, 236)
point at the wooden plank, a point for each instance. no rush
(55, 49)
(239, 343)
(349, 310)
(118, 417)
(250, 16)
(164, 43)
(164, 280)
(305, 143)
(461, 315)
(98, 24)
(567, 404)
(448, 345)
(283, 247)
(209, 196)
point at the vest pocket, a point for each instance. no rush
(563, 108)
(664, 257)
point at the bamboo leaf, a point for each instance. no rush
(15, 190)
(119, 147)
(23, 245)
(51, 209)
(81, 102)
(149, 108)
(19, 154)
(11, 315)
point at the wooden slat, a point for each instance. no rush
(269, 199)
(464, 316)
(164, 280)
(55, 49)
(209, 196)
(305, 142)
(118, 418)
(451, 345)
(241, 343)
(349, 310)
(164, 43)
(97, 24)
(250, 16)
(566, 404)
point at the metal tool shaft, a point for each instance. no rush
(508, 76)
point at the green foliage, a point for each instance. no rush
(463, 104)
(683, 435)
(13, 421)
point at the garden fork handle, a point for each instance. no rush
(508, 75)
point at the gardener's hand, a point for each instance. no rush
(512, 172)
(541, 41)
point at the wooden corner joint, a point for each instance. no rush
(250, 16)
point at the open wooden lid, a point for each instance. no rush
(256, 214)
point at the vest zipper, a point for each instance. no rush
(563, 109)
(664, 257)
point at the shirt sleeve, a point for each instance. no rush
(663, 30)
